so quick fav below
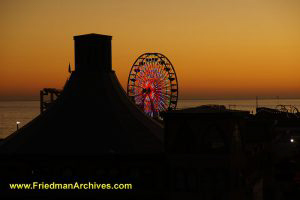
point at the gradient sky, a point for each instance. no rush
(220, 49)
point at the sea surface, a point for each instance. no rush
(25, 111)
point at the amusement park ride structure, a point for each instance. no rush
(152, 84)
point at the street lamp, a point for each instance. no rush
(18, 124)
(292, 140)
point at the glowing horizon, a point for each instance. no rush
(237, 49)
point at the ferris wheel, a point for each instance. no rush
(152, 84)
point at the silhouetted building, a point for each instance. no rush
(204, 148)
(92, 116)
(91, 132)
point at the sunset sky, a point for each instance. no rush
(219, 48)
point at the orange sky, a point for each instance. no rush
(220, 49)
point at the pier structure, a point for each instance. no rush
(52, 94)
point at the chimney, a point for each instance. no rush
(92, 53)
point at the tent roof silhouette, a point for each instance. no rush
(92, 116)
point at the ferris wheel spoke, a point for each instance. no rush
(133, 86)
(159, 70)
(165, 94)
(168, 86)
(163, 67)
(166, 76)
(164, 105)
(143, 68)
(163, 79)
(140, 79)
(136, 86)
(163, 71)
(152, 106)
(147, 102)
(141, 94)
(163, 100)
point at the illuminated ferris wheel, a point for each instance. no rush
(152, 84)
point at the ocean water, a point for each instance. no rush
(13, 111)
(25, 111)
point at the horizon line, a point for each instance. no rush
(184, 99)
